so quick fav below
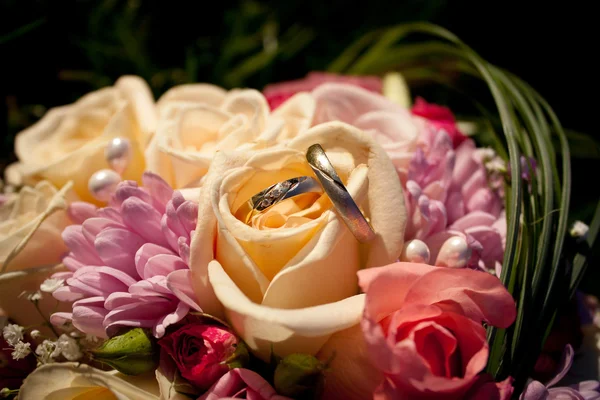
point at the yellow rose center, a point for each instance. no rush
(82, 393)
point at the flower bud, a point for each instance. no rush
(131, 353)
(203, 350)
(299, 375)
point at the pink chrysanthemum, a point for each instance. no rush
(124, 259)
(448, 193)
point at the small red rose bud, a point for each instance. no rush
(202, 351)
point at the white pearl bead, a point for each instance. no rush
(103, 184)
(454, 253)
(118, 154)
(415, 251)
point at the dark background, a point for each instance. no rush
(52, 52)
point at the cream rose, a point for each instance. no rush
(197, 120)
(68, 142)
(71, 381)
(31, 223)
(288, 282)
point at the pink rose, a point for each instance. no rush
(200, 350)
(241, 383)
(441, 118)
(423, 329)
(278, 93)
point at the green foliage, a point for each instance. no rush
(133, 352)
(299, 376)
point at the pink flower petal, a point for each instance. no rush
(184, 248)
(88, 316)
(492, 250)
(476, 181)
(179, 282)
(169, 319)
(142, 218)
(484, 199)
(169, 235)
(120, 299)
(125, 192)
(173, 221)
(117, 248)
(345, 103)
(154, 286)
(68, 293)
(93, 226)
(139, 314)
(72, 263)
(465, 164)
(61, 318)
(163, 265)
(146, 252)
(187, 213)
(160, 191)
(79, 211)
(476, 218)
(481, 296)
(81, 249)
(455, 207)
(111, 213)
(100, 281)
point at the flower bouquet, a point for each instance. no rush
(324, 238)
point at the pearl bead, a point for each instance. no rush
(118, 154)
(415, 251)
(454, 253)
(103, 184)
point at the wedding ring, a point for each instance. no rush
(275, 194)
(337, 192)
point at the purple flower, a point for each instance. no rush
(241, 383)
(448, 193)
(586, 390)
(128, 262)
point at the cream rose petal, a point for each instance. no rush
(137, 92)
(64, 381)
(68, 142)
(31, 224)
(351, 375)
(307, 265)
(296, 113)
(197, 121)
(198, 93)
(287, 331)
(384, 202)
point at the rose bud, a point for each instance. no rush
(299, 375)
(203, 351)
(131, 353)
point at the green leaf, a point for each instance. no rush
(132, 353)
(240, 357)
(299, 375)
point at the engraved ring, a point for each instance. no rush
(275, 194)
(337, 192)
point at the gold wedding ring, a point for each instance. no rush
(345, 206)
(275, 194)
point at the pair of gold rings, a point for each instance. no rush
(328, 182)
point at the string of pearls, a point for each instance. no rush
(102, 184)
